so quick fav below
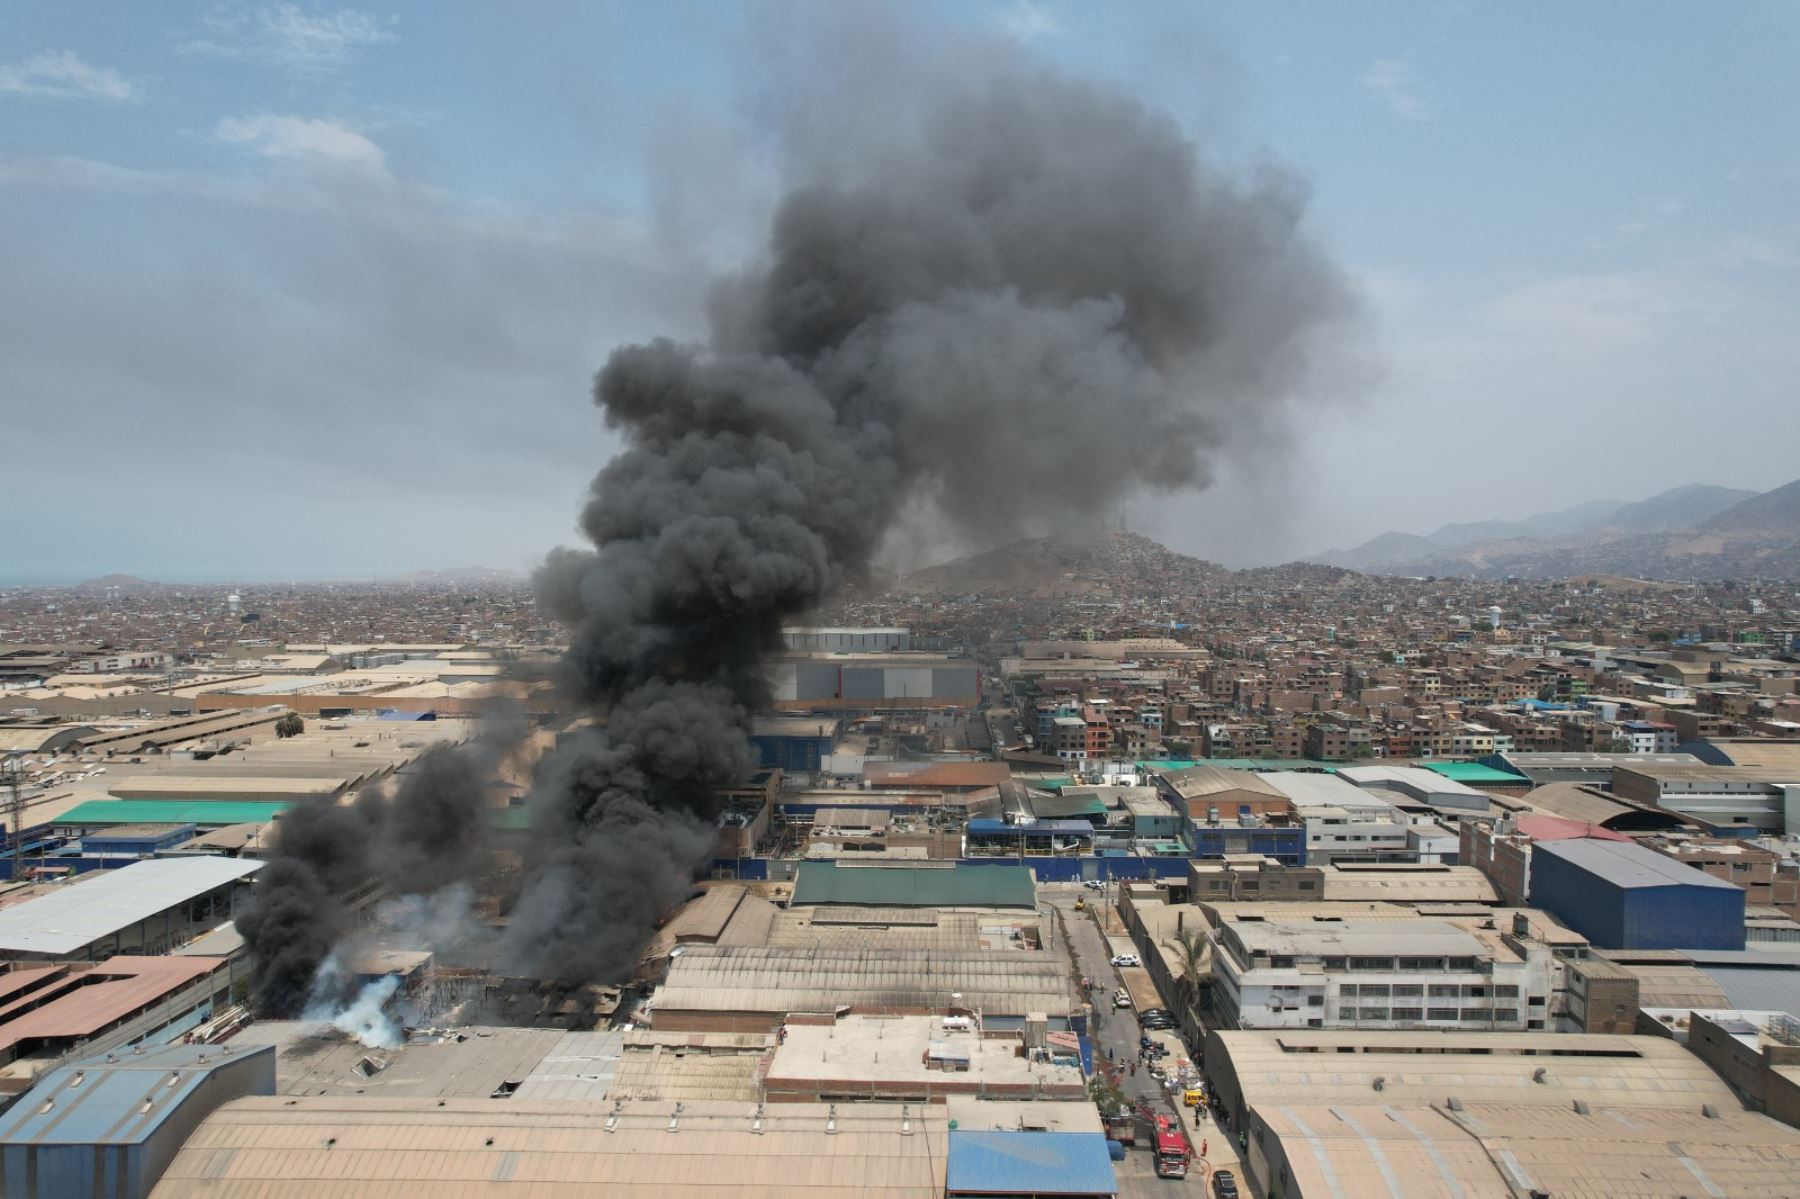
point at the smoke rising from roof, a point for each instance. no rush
(1031, 302)
(425, 836)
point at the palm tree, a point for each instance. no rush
(1194, 952)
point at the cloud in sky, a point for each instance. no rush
(449, 340)
(1396, 83)
(1027, 21)
(64, 75)
(287, 36)
(300, 137)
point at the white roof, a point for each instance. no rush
(98, 905)
(1413, 779)
(1307, 790)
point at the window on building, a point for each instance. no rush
(1408, 991)
(1371, 963)
(1409, 1013)
(1333, 963)
(1506, 992)
(1441, 1013)
(1375, 991)
(1315, 1001)
(1372, 1013)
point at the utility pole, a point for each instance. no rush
(14, 769)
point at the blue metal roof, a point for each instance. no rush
(1628, 865)
(1040, 1163)
(122, 1101)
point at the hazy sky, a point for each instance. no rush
(295, 291)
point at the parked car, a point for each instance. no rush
(1225, 1184)
(1121, 999)
(1126, 959)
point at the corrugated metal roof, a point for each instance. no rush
(965, 886)
(100, 904)
(1476, 772)
(118, 1099)
(1322, 791)
(316, 1060)
(1550, 1069)
(1628, 865)
(579, 1067)
(670, 1073)
(1378, 1150)
(363, 1147)
(1573, 801)
(815, 979)
(1034, 1163)
(1616, 1150)
(1543, 827)
(1759, 988)
(1201, 780)
(206, 813)
(76, 1001)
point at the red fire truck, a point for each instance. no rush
(1172, 1149)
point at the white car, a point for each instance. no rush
(1125, 959)
(1121, 999)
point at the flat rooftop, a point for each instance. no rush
(873, 1056)
(99, 904)
(1355, 938)
(473, 1062)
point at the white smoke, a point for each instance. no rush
(363, 1016)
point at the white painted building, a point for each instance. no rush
(1376, 974)
(1343, 821)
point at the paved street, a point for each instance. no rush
(1117, 1030)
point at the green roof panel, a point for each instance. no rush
(207, 813)
(962, 885)
(1474, 773)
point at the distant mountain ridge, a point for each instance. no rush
(1051, 565)
(461, 574)
(1698, 530)
(107, 582)
(1773, 512)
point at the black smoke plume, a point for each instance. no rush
(1036, 301)
(426, 833)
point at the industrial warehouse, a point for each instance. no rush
(897, 981)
